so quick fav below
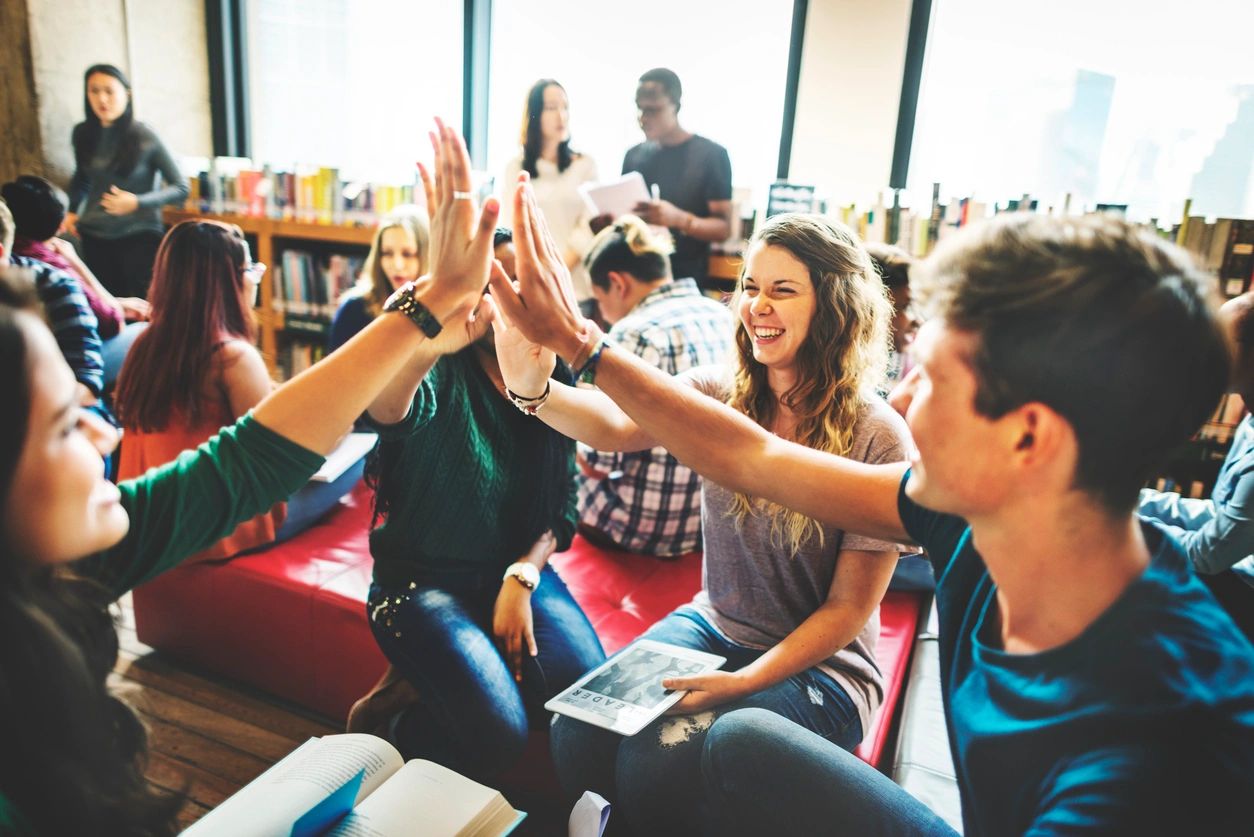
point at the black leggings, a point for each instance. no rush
(123, 265)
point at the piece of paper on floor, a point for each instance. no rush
(589, 816)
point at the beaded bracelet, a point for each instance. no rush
(530, 406)
(586, 373)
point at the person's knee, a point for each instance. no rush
(734, 744)
(500, 744)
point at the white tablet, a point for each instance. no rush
(625, 692)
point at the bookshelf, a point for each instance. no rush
(271, 236)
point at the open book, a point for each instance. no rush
(359, 786)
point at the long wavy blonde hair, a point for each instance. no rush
(842, 359)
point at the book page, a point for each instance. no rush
(424, 798)
(616, 197)
(351, 448)
(276, 799)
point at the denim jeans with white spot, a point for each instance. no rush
(653, 778)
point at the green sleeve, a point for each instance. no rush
(12, 823)
(199, 498)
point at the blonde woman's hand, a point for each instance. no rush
(525, 366)
(705, 691)
(542, 303)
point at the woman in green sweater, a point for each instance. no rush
(73, 755)
(475, 494)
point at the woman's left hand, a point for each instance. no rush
(512, 625)
(706, 690)
(119, 201)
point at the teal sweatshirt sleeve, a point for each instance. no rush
(200, 497)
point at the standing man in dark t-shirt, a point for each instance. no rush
(692, 176)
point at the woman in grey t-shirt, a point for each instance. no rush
(115, 200)
(791, 604)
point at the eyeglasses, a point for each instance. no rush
(254, 272)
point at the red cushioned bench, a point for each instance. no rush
(291, 619)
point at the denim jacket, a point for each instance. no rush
(1217, 533)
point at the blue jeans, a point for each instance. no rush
(113, 351)
(472, 716)
(654, 777)
(761, 770)
(314, 499)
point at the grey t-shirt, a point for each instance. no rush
(756, 593)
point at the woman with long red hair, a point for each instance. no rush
(195, 370)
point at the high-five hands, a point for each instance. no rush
(542, 306)
(461, 247)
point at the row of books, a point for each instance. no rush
(233, 185)
(1222, 424)
(1223, 246)
(308, 286)
(295, 356)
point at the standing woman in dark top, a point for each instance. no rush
(115, 205)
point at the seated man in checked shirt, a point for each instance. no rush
(647, 502)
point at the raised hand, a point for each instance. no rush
(542, 306)
(525, 366)
(461, 249)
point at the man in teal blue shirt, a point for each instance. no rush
(1091, 683)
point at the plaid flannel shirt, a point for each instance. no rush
(650, 503)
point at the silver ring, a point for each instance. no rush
(461, 196)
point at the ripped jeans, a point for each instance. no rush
(653, 778)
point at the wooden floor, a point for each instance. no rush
(211, 736)
(207, 735)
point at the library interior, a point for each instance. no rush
(701, 318)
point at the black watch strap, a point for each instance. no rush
(403, 301)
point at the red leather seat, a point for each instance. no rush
(291, 619)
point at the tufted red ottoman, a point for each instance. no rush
(291, 619)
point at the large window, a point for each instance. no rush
(731, 56)
(1110, 102)
(352, 83)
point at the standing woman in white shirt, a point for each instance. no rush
(556, 173)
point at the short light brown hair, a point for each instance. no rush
(1103, 322)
